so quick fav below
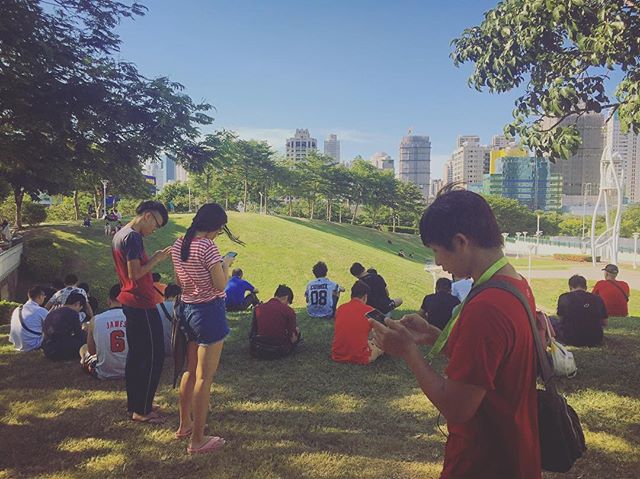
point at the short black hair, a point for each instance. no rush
(282, 291)
(70, 279)
(156, 206)
(57, 284)
(320, 269)
(359, 289)
(577, 281)
(84, 286)
(93, 302)
(237, 273)
(459, 212)
(74, 298)
(356, 269)
(156, 277)
(35, 291)
(172, 290)
(114, 292)
(443, 284)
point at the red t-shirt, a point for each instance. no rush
(492, 346)
(275, 320)
(127, 246)
(351, 333)
(614, 300)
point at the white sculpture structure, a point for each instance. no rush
(611, 179)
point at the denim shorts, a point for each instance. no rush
(204, 323)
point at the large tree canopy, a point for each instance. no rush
(561, 52)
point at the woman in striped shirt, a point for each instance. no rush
(203, 274)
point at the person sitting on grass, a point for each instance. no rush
(378, 296)
(322, 294)
(105, 354)
(158, 286)
(614, 293)
(60, 297)
(236, 289)
(92, 300)
(581, 315)
(351, 343)
(165, 309)
(62, 332)
(436, 308)
(25, 332)
(274, 330)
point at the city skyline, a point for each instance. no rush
(265, 81)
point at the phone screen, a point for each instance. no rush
(377, 315)
(233, 254)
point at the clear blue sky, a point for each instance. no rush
(365, 70)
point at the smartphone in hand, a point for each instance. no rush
(231, 254)
(377, 315)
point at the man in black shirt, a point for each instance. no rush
(581, 315)
(378, 296)
(436, 308)
(62, 333)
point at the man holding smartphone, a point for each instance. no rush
(351, 343)
(145, 336)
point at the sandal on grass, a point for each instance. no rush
(151, 418)
(211, 445)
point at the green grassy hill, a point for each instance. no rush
(300, 417)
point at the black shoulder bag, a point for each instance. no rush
(561, 437)
(24, 326)
(613, 282)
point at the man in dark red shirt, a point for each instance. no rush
(488, 396)
(614, 293)
(145, 336)
(274, 331)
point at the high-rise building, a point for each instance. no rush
(469, 161)
(584, 167)
(414, 161)
(300, 145)
(628, 146)
(435, 186)
(165, 170)
(447, 172)
(332, 147)
(500, 142)
(383, 161)
(526, 179)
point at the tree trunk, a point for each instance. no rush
(290, 206)
(18, 195)
(311, 208)
(96, 202)
(246, 196)
(340, 212)
(76, 206)
(393, 222)
(355, 213)
(265, 202)
(226, 202)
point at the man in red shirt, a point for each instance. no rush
(274, 331)
(614, 293)
(351, 342)
(488, 395)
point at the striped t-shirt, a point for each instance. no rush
(195, 273)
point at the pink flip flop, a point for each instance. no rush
(211, 445)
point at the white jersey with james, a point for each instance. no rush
(110, 336)
(320, 297)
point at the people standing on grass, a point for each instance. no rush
(144, 332)
(614, 293)
(202, 273)
(488, 393)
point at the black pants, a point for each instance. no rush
(145, 358)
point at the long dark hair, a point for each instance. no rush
(210, 217)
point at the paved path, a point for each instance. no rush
(630, 275)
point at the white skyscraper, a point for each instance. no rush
(382, 161)
(332, 147)
(300, 145)
(628, 145)
(414, 161)
(435, 187)
(469, 161)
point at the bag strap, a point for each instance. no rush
(541, 355)
(158, 290)
(166, 312)
(24, 326)
(613, 281)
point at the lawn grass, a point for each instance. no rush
(302, 416)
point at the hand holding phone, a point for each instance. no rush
(377, 315)
(231, 254)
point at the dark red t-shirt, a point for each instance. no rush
(126, 246)
(275, 320)
(614, 294)
(492, 346)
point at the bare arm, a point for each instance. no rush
(220, 273)
(91, 344)
(136, 270)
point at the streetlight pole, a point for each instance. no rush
(260, 193)
(635, 249)
(518, 233)
(587, 187)
(104, 196)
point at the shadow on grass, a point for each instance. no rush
(369, 237)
